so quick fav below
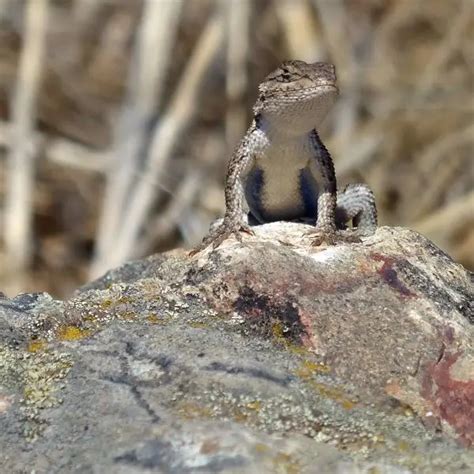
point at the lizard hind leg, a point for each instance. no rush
(357, 204)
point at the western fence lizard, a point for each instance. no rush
(283, 169)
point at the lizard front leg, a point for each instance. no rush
(322, 168)
(233, 222)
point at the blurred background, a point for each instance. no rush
(117, 118)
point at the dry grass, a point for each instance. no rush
(129, 127)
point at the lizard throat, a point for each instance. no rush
(296, 114)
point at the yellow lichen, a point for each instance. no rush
(256, 405)
(198, 325)
(106, 304)
(127, 316)
(39, 375)
(334, 394)
(285, 464)
(403, 446)
(124, 300)
(277, 330)
(298, 350)
(72, 333)
(239, 416)
(191, 411)
(309, 368)
(36, 345)
(261, 448)
(374, 470)
(153, 319)
(278, 333)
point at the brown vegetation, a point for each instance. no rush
(117, 119)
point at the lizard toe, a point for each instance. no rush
(333, 237)
(220, 234)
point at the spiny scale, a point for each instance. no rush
(283, 170)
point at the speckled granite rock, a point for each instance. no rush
(265, 356)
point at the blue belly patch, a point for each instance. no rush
(309, 194)
(254, 189)
(253, 194)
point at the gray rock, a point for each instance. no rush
(262, 356)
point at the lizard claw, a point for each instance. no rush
(245, 229)
(225, 233)
(331, 236)
(222, 233)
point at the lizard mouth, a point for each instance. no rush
(328, 85)
(328, 88)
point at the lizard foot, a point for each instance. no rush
(223, 232)
(330, 236)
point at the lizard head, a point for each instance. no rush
(297, 96)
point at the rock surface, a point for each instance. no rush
(261, 356)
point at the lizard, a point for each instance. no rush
(282, 168)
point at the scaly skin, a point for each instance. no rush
(282, 168)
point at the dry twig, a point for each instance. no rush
(299, 30)
(20, 163)
(155, 38)
(166, 222)
(62, 151)
(238, 18)
(443, 224)
(443, 52)
(441, 152)
(164, 138)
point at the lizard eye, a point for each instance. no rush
(285, 75)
